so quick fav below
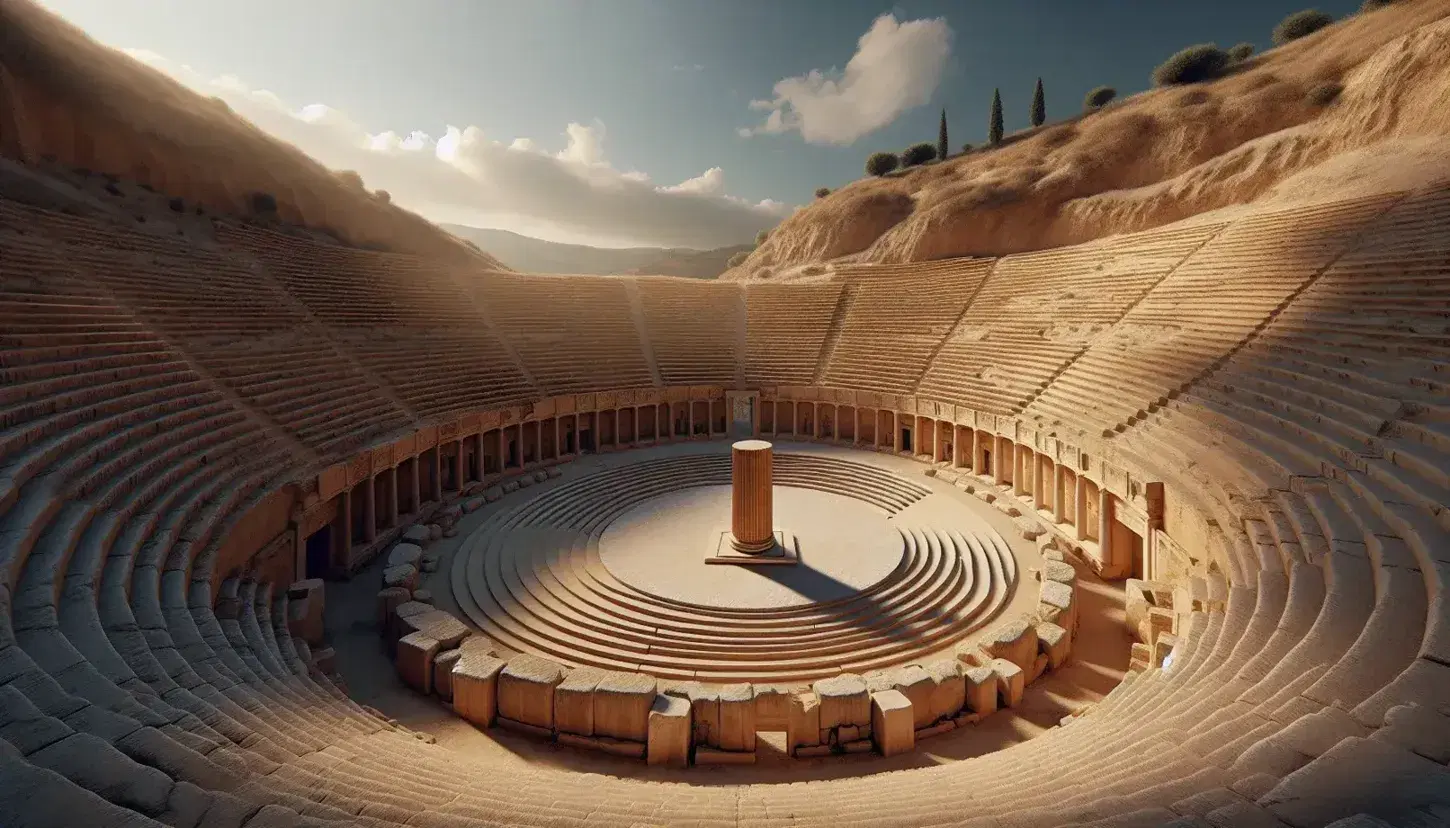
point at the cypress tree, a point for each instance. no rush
(994, 127)
(941, 137)
(1039, 105)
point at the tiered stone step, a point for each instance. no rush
(559, 599)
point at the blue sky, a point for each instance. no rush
(660, 90)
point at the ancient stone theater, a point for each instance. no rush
(1150, 530)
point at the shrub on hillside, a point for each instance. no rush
(737, 260)
(384, 196)
(1324, 94)
(1098, 98)
(881, 163)
(822, 192)
(1299, 24)
(350, 178)
(761, 237)
(967, 147)
(1192, 65)
(264, 203)
(1240, 52)
(918, 154)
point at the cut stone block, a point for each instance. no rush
(324, 660)
(622, 704)
(437, 624)
(304, 610)
(844, 701)
(574, 701)
(772, 706)
(949, 688)
(435, 531)
(1140, 657)
(415, 661)
(493, 493)
(1058, 605)
(443, 673)
(1016, 641)
(668, 739)
(417, 533)
(405, 554)
(475, 687)
(1053, 642)
(473, 504)
(554, 471)
(400, 576)
(1163, 647)
(737, 718)
(1059, 571)
(803, 729)
(450, 515)
(423, 596)
(891, 722)
(981, 685)
(916, 685)
(1011, 682)
(388, 602)
(705, 709)
(526, 690)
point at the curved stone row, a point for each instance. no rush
(558, 599)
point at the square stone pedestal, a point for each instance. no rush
(721, 551)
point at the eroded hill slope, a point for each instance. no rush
(1253, 138)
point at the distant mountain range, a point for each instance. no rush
(538, 256)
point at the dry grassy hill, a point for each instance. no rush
(1255, 137)
(68, 101)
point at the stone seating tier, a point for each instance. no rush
(1242, 379)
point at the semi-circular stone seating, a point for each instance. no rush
(1284, 381)
(559, 599)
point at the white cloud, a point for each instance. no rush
(687, 67)
(896, 67)
(463, 176)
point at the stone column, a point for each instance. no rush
(1079, 508)
(1059, 483)
(1105, 529)
(856, 432)
(416, 495)
(1039, 492)
(370, 515)
(751, 519)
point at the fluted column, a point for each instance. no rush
(751, 519)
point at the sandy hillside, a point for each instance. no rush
(1246, 141)
(68, 101)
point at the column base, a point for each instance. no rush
(721, 550)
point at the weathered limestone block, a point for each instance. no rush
(679, 689)
(418, 534)
(526, 480)
(475, 687)
(1137, 601)
(1140, 657)
(435, 531)
(510, 486)
(428, 563)
(803, 728)
(423, 596)
(622, 704)
(1053, 642)
(1011, 682)
(669, 730)
(397, 627)
(949, 688)
(970, 655)
(443, 664)
(401, 576)
(554, 471)
(574, 701)
(437, 624)
(304, 610)
(449, 515)
(540, 476)
(772, 706)
(388, 602)
(493, 493)
(473, 504)
(1160, 621)
(323, 659)
(737, 718)
(892, 722)
(844, 701)
(1063, 573)
(526, 690)
(405, 554)
(1016, 641)
(915, 683)
(415, 661)
(705, 710)
(981, 684)
(1058, 605)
